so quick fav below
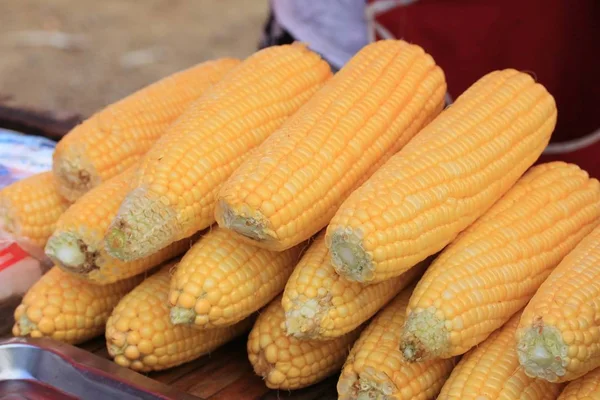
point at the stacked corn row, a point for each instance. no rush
(368, 228)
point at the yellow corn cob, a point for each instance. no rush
(559, 333)
(443, 179)
(174, 193)
(495, 266)
(288, 363)
(77, 245)
(140, 336)
(585, 388)
(375, 368)
(66, 308)
(289, 188)
(222, 280)
(29, 209)
(116, 137)
(492, 371)
(319, 304)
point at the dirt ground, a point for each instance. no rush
(79, 55)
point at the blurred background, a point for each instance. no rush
(78, 56)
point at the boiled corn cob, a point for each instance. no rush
(222, 280)
(585, 388)
(289, 188)
(288, 363)
(492, 371)
(375, 368)
(319, 304)
(558, 338)
(77, 245)
(495, 266)
(443, 179)
(116, 137)
(140, 336)
(29, 209)
(68, 309)
(174, 192)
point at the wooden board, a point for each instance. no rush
(226, 374)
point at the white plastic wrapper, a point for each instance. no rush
(23, 155)
(20, 156)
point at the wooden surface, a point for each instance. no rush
(226, 374)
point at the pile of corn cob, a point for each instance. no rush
(348, 222)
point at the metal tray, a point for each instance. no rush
(47, 369)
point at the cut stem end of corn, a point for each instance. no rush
(254, 226)
(543, 353)
(182, 316)
(142, 226)
(349, 258)
(71, 253)
(424, 337)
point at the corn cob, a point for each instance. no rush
(113, 139)
(443, 179)
(174, 192)
(288, 363)
(319, 304)
(29, 209)
(140, 336)
(585, 388)
(77, 245)
(495, 266)
(221, 280)
(375, 368)
(68, 309)
(289, 188)
(491, 371)
(558, 337)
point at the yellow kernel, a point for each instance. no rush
(186, 300)
(46, 326)
(202, 306)
(151, 360)
(133, 338)
(145, 346)
(132, 352)
(276, 377)
(271, 353)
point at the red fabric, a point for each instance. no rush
(556, 40)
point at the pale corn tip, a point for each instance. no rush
(349, 257)
(142, 226)
(303, 320)
(542, 352)
(424, 336)
(250, 224)
(369, 384)
(24, 326)
(75, 175)
(181, 316)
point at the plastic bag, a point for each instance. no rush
(23, 155)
